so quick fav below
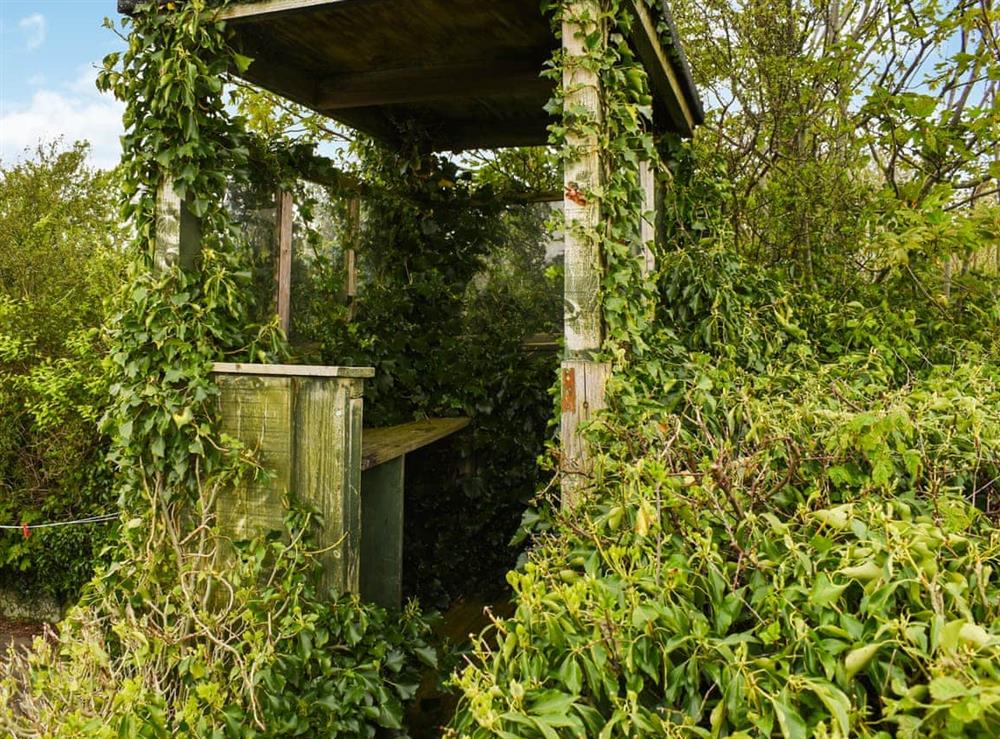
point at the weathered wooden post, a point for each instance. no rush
(650, 206)
(283, 220)
(583, 378)
(178, 233)
(350, 255)
(304, 423)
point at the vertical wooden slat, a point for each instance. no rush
(258, 412)
(178, 233)
(352, 482)
(583, 379)
(648, 226)
(283, 264)
(323, 421)
(350, 254)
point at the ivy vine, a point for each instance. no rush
(168, 640)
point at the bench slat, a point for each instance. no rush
(382, 444)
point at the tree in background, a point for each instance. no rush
(59, 260)
(857, 139)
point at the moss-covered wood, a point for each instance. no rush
(304, 424)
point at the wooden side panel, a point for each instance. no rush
(320, 430)
(583, 266)
(382, 534)
(308, 431)
(258, 412)
(178, 233)
(583, 394)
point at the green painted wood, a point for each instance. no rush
(321, 431)
(307, 430)
(258, 412)
(382, 533)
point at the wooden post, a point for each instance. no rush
(178, 233)
(382, 533)
(583, 379)
(283, 219)
(350, 254)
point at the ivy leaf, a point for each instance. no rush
(789, 720)
(946, 688)
(242, 62)
(825, 591)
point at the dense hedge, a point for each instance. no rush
(59, 262)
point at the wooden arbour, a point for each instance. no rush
(467, 74)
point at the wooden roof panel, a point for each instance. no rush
(466, 71)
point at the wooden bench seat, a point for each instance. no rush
(383, 455)
(384, 444)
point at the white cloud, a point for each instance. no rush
(34, 28)
(76, 112)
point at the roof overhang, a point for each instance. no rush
(466, 73)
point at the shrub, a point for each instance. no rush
(58, 263)
(282, 659)
(645, 618)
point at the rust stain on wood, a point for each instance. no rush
(568, 390)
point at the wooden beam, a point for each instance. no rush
(425, 84)
(283, 218)
(663, 80)
(241, 12)
(279, 78)
(516, 132)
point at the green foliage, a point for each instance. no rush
(784, 533)
(301, 666)
(442, 316)
(58, 265)
(866, 619)
(185, 632)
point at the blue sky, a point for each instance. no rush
(49, 52)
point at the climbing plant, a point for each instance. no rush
(174, 636)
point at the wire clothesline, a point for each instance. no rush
(102, 518)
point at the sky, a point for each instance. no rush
(50, 51)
